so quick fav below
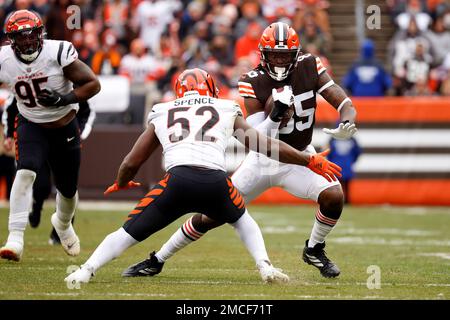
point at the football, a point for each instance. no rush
(287, 116)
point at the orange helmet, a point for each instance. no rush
(25, 32)
(195, 80)
(279, 46)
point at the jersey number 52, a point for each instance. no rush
(200, 135)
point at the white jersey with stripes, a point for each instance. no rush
(46, 72)
(194, 130)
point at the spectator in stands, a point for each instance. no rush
(247, 45)
(194, 13)
(317, 8)
(367, 77)
(311, 33)
(403, 47)
(416, 10)
(416, 72)
(139, 66)
(106, 60)
(439, 37)
(272, 10)
(151, 19)
(251, 12)
(115, 15)
(85, 53)
(345, 153)
(57, 16)
(222, 50)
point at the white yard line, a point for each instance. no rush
(443, 255)
(389, 242)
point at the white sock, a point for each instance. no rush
(322, 227)
(180, 239)
(65, 209)
(111, 247)
(251, 236)
(20, 204)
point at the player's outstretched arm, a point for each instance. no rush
(141, 151)
(278, 150)
(337, 97)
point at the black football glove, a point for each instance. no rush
(54, 99)
(282, 100)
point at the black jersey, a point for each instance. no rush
(303, 79)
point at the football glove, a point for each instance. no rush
(115, 187)
(344, 131)
(327, 169)
(51, 98)
(282, 101)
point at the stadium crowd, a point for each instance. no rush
(150, 41)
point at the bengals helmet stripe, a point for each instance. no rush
(25, 32)
(195, 80)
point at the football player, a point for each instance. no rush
(42, 185)
(194, 130)
(282, 65)
(41, 74)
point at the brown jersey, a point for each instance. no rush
(303, 79)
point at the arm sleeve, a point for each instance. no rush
(9, 117)
(86, 117)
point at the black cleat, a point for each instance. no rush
(34, 218)
(148, 267)
(54, 238)
(316, 257)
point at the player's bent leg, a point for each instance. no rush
(111, 247)
(193, 229)
(41, 191)
(330, 198)
(62, 222)
(250, 234)
(331, 201)
(20, 206)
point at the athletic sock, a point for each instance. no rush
(111, 247)
(180, 239)
(65, 209)
(20, 204)
(251, 236)
(322, 227)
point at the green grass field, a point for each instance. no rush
(411, 246)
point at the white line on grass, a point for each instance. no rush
(390, 242)
(442, 255)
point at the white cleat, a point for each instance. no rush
(82, 275)
(12, 251)
(270, 274)
(69, 239)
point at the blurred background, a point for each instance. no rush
(391, 56)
